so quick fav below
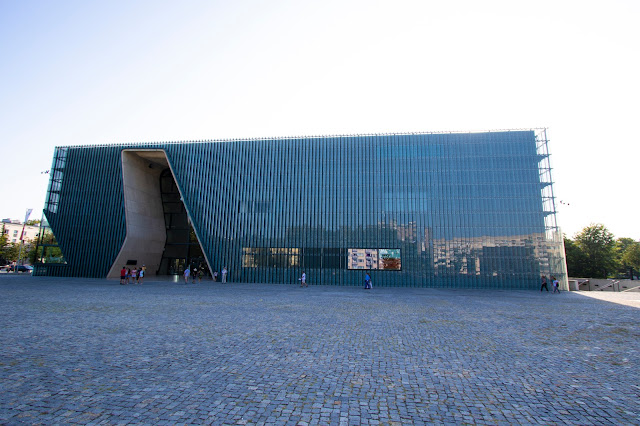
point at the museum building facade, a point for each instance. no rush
(454, 210)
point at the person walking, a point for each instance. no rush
(544, 284)
(367, 281)
(186, 275)
(194, 275)
(123, 275)
(200, 275)
(128, 275)
(215, 276)
(303, 280)
(556, 285)
(224, 274)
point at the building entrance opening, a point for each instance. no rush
(181, 248)
(160, 236)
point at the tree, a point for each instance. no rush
(576, 259)
(623, 243)
(51, 254)
(598, 245)
(10, 252)
(631, 257)
(33, 222)
(622, 246)
(3, 245)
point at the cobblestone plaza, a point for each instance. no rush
(93, 352)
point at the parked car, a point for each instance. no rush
(22, 268)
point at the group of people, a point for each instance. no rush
(198, 273)
(554, 281)
(135, 275)
(223, 273)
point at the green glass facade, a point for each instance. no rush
(467, 210)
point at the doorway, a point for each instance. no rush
(181, 248)
(160, 235)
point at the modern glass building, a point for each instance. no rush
(457, 210)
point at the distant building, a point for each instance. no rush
(458, 210)
(13, 229)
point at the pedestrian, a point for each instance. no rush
(215, 276)
(224, 274)
(134, 276)
(367, 281)
(186, 275)
(194, 275)
(200, 274)
(141, 274)
(556, 285)
(128, 275)
(303, 280)
(123, 275)
(544, 284)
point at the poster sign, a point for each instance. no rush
(362, 259)
(387, 259)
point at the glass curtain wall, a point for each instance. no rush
(181, 249)
(444, 209)
(463, 210)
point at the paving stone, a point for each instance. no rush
(92, 352)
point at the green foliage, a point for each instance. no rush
(598, 244)
(34, 254)
(623, 243)
(576, 259)
(33, 222)
(631, 256)
(3, 244)
(51, 254)
(595, 253)
(625, 248)
(10, 251)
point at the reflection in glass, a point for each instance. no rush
(472, 210)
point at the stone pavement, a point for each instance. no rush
(93, 352)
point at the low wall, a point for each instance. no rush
(599, 284)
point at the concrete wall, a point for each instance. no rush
(146, 233)
(598, 284)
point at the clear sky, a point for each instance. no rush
(78, 72)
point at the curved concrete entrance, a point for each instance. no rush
(145, 219)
